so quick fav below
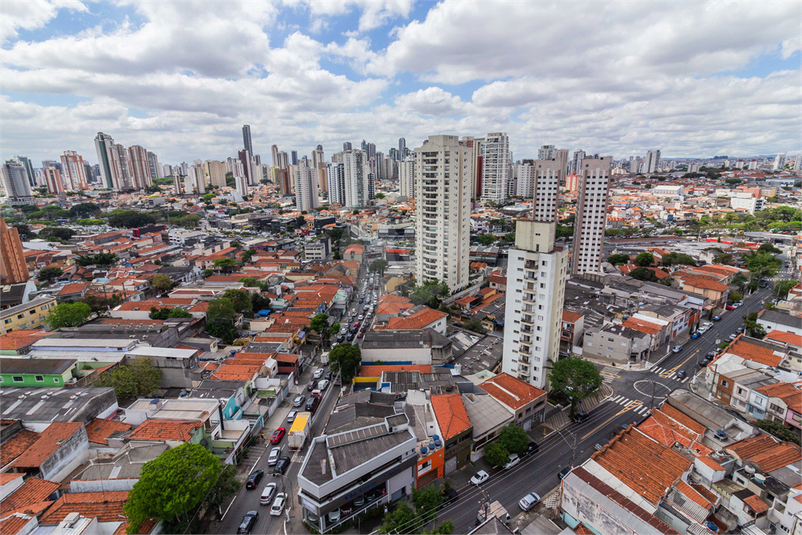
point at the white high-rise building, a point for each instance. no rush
(120, 172)
(357, 179)
(195, 181)
(779, 161)
(443, 211)
(306, 187)
(139, 167)
(73, 171)
(579, 155)
(547, 152)
(652, 164)
(335, 174)
(798, 162)
(536, 273)
(496, 167)
(15, 179)
(53, 179)
(406, 177)
(103, 143)
(155, 167)
(525, 179)
(591, 214)
(547, 175)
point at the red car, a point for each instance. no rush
(361, 334)
(729, 307)
(357, 324)
(278, 434)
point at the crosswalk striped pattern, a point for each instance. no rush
(641, 409)
(668, 374)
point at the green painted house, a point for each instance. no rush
(45, 373)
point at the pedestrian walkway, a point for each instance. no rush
(636, 405)
(561, 419)
(668, 374)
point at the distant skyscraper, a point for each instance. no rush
(294, 157)
(274, 151)
(442, 211)
(394, 153)
(13, 268)
(283, 160)
(536, 273)
(406, 178)
(335, 174)
(102, 144)
(798, 161)
(579, 155)
(357, 181)
(779, 161)
(496, 167)
(247, 165)
(15, 180)
(347, 145)
(120, 172)
(319, 164)
(547, 152)
(246, 138)
(53, 180)
(306, 187)
(652, 162)
(371, 151)
(154, 166)
(26, 163)
(591, 214)
(214, 173)
(474, 146)
(73, 172)
(139, 167)
(402, 144)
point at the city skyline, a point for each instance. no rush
(386, 70)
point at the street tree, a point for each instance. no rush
(175, 485)
(496, 454)
(486, 239)
(68, 315)
(427, 502)
(735, 296)
(753, 328)
(514, 438)
(398, 520)
(240, 300)
(430, 293)
(132, 381)
(645, 259)
(575, 378)
(379, 266)
(346, 359)
(161, 283)
(225, 265)
(320, 324)
(781, 288)
(779, 430)
(618, 259)
(474, 325)
(50, 273)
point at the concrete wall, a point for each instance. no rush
(68, 456)
(415, 355)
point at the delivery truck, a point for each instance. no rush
(299, 431)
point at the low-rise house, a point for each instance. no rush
(59, 449)
(46, 373)
(425, 318)
(772, 320)
(416, 347)
(617, 343)
(456, 428)
(527, 402)
(28, 315)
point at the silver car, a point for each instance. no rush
(529, 501)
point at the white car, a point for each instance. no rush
(319, 373)
(278, 504)
(480, 477)
(514, 460)
(272, 459)
(322, 385)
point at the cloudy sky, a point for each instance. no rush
(181, 77)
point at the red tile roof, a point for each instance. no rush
(748, 447)
(451, 414)
(180, 430)
(511, 391)
(18, 339)
(99, 430)
(418, 320)
(33, 491)
(757, 505)
(693, 495)
(13, 524)
(704, 284)
(756, 353)
(49, 441)
(645, 466)
(17, 445)
(570, 316)
(105, 506)
(780, 336)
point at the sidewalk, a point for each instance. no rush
(561, 419)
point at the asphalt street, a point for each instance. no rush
(629, 403)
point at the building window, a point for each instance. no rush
(56, 380)
(724, 383)
(40, 378)
(17, 379)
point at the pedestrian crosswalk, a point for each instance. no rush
(635, 405)
(668, 374)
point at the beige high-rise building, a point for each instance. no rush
(118, 160)
(591, 214)
(139, 167)
(496, 167)
(306, 181)
(214, 173)
(406, 177)
(474, 145)
(443, 211)
(73, 171)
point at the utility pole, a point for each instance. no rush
(651, 402)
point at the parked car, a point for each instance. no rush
(360, 334)
(291, 416)
(513, 461)
(281, 465)
(733, 336)
(278, 434)
(531, 448)
(480, 477)
(278, 505)
(696, 335)
(267, 494)
(318, 373)
(248, 521)
(677, 348)
(334, 516)
(311, 404)
(254, 479)
(681, 374)
(450, 496)
(275, 453)
(716, 318)
(340, 338)
(351, 337)
(329, 375)
(528, 501)
(298, 401)
(710, 355)
(564, 472)
(740, 329)
(581, 416)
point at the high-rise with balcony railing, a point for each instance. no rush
(443, 211)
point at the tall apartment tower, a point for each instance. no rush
(779, 161)
(15, 180)
(139, 167)
(579, 155)
(319, 164)
(246, 138)
(652, 164)
(335, 175)
(346, 145)
(357, 179)
(103, 142)
(26, 163)
(496, 167)
(12, 262)
(443, 211)
(798, 161)
(283, 160)
(591, 214)
(53, 180)
(306, 187)
(547, 152)
(73, 171)
(536, 273)
(402, 144)
(155, 167)
(294, 157)
(525, 179)
(120, 171)
(274, 152)
(474, 145)
(406, 178)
